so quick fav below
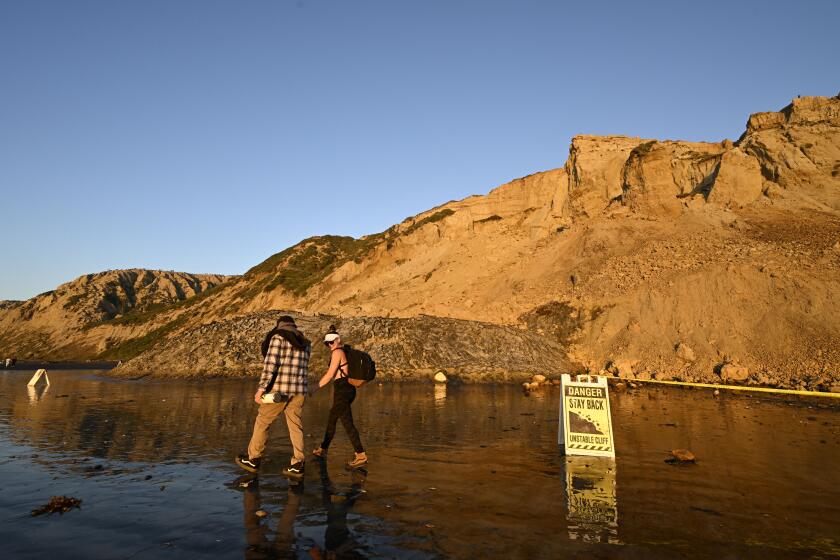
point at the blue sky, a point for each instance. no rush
(205, 136)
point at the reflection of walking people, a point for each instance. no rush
(256, 534)
(338, 540)
(282, 388)
(343, 396)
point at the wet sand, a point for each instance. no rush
(457, 472)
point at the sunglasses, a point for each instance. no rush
(327, 342)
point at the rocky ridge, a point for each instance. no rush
(402, 348)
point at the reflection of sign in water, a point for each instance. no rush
(36, 393)
(591, 505)
(585, 424)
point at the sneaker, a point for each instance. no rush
(250, 465)
(320, 452)
(359, 460)
(294, 471)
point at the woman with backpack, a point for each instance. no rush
(344, 393)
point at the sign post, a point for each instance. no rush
(585, 421)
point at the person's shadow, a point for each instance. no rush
(338, 540)
(259, 545)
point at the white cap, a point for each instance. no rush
(329, 337)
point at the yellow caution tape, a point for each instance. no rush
(733, 387)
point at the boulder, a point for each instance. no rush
(681, 456)
(643, 375)
(732, 372)
(685, 353)
(623, 369)
(538, 378)
(440, 377)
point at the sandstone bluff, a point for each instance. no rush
(652, 259)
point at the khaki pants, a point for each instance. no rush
(267, 414)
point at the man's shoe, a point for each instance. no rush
(250, 465)
(294, 471)
(320, 452)
(359, 460)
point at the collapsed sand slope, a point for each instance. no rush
(733, 257)
(760, 292)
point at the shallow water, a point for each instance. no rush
(457, 472)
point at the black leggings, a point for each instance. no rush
(343, 396)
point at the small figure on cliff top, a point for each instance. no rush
(282, 388)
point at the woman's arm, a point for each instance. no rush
(336, 359)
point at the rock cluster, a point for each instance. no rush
(537, 381)
(402, 348)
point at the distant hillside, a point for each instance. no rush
(65, 323)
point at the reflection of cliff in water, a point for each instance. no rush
(127, 420)
(158, 421)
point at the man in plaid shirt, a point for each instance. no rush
(282, 388)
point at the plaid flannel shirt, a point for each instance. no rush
(291, 365)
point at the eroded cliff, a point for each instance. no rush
(650, 258)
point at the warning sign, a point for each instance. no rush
(585, 423)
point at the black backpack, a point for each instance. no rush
(360, 366)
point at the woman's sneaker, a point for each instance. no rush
(320, 452)
(359, 460)
(294, 471)
(250, 465)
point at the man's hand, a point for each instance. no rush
(258, 396)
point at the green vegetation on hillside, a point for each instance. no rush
(73, 300)
(295, 269)
(436, 217)
(304, 265)
(135, 346)
(140, 315)
(300, 267)
(642, 149)
(559, 320)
